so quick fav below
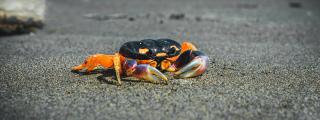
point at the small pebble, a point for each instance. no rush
(295, 5)
(161, 22)
(131, 19)
(177, 16)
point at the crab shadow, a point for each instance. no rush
(108, 77)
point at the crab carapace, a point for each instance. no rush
(145, 59)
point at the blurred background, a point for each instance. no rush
(264, 59)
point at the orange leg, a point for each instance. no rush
(94, 62)
(117, 67)
(101, 61)
(122, 66)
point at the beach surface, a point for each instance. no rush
(264, 61)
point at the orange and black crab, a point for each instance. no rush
(146, 58)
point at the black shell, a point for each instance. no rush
(131, 49)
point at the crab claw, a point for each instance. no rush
(189, 64)
(143, 71)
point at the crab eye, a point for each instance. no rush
(172, 50)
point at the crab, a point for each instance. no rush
(147, 59)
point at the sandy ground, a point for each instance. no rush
(264, 56)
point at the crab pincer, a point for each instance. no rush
(144, 72)
(190, 63)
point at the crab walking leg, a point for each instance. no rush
(94, 62)
(101, 61)
(143, 71)
(117, 67)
